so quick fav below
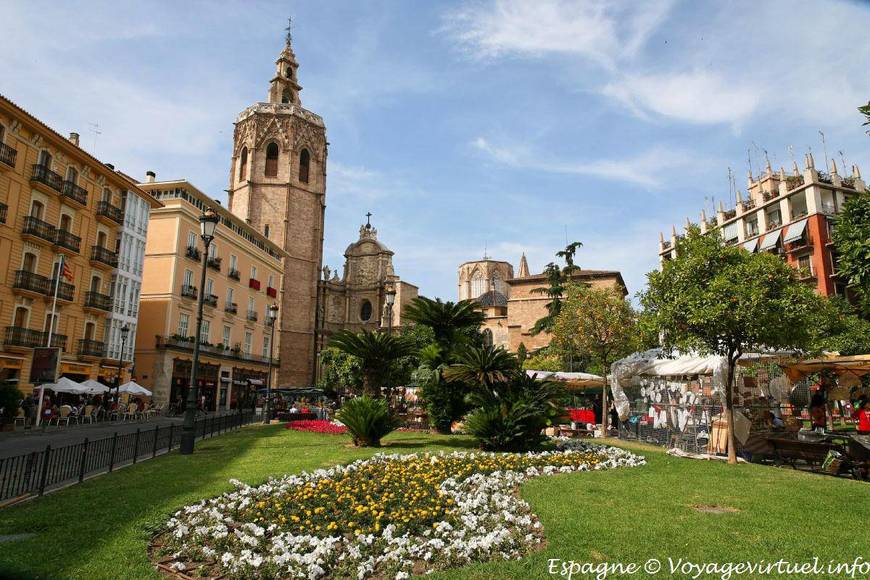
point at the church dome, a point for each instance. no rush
(492, 298)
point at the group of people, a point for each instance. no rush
(52, 404)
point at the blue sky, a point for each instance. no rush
(465, 125)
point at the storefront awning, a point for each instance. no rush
(795, 231)
(751, 245)
(770, 240)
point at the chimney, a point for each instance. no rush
(150, 176)
(110, 166)
(74, 139)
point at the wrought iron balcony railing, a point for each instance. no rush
(210, 300)
(31, 281)
(234, 274)
(75, 192)
(252, 315)
(192, 253)
(65, 291)
(98, 300)
(188, 291)
(106, 209)
(89, 347)
(7, 155)
(65, 239)
(104, 256)
(44, 175)
(214, 263)
(34, 226)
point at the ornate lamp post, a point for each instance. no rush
(390, 298)
(125, 330)
(273, 319)
(208, 222)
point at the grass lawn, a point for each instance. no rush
(100, 529)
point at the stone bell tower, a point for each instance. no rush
(278, 185)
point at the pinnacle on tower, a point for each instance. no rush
(284, 87)
(524, 267)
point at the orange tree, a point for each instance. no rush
(723, 300)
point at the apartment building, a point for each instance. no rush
(789, 215)
(243, 278)
(55, 200)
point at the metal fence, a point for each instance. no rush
(40, 471)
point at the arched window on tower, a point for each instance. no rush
(285, 96)
(266, 230)
(304, 163)
(478, 284)
(243, 164)
(272, 159)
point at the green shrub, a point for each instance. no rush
(368, 420)
(445, 403)
(10, 397)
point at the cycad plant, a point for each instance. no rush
(377, 353)
(368, 420)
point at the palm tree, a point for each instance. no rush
(486, 367)
(377, 352)
(447, 320)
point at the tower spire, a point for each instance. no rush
(283, 88)
(524, 267)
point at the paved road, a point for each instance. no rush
(20, 442)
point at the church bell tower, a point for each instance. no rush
(278, 185)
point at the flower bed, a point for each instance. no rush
(317, 426)
(388, 516)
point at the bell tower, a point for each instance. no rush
(278, 185)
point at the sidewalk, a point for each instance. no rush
(20, 442)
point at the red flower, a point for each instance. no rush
(316, 426)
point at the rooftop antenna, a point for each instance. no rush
(95, 129)
(825, 147)
(749, 159)
(842, 160)
(766, 158)
(791, 152)
(730, 183)
(485, 251)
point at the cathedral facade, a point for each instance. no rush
(278, 185)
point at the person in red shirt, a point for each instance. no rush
(862, 414)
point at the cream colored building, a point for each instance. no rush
(243, 278)
(56, 199)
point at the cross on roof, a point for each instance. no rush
(289, 38)
(369, 219)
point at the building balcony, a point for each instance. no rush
(252, 315)
(67, 242)
(768, 195)
(109, 214)
(210, 300)
(4, 209)
(192, 253)
(37, 230)
(7, 156)
(235, 353)
(271, 292)
(234, 274)
(731, 213)
(65, 291)
(825, 178)
(794, 181)
(848, 182)
(231, 308)
(17, 336)
(97, 301)
(46, 180)
(214, 263)
(30, 283)
(253, 283)
(102, 257)
(188, 291)
(92, 348)
(75, 193)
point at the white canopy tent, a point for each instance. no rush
(95, 387)
(134, 388)
(572, 379)
(65, 385)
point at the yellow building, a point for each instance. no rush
(55, 199)
(243, 279)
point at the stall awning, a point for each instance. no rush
(795, 231)
(770, 240)
(571, 380)
(751, 245)
(856, 365)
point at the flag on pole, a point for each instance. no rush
(66, 271)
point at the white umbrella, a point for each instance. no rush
(134, 388)
(95, 387)
(65, 385)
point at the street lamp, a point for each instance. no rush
(208, 222)
(390, 297)
(273, 317)
(125, 330)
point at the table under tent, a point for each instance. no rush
(583, 392)
(678, 401)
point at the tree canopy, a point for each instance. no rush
(377, 354)
(557, 277)
(851, 237)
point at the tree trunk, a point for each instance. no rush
(729, 411)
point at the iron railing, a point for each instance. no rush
(188, 291)
(44, 175)
(65, 291)
(19, 336)
(89, 347)
(104, 256)
(7, 155)
(214, 263)
(31, 281)
(106, 209)
(34, 226)
(234, 274)
(75, 192)
(252, 315)
(39, 472)
(210, 300)
(65, 239)
(4, 209)
(231, 307)
(98, 300)
(192, 253)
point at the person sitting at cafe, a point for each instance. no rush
(862, 415)
(293, 409)
(818, 413)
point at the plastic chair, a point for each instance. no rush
(130, 412)
(87, 414)
(21, 417)
(63, 415)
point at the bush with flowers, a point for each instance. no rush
(317, 426)
(388, 516)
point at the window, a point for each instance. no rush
(226, 338)
(798, 205)
(243, 164)
(2, 133)
(90, 330)
(65, 223)
(249, 338)
(254, 272)
(191, 240)
(304, 162)
(37, 209)
(229, 296)
(188, 278)
(183, 324)
(487, 337)
(233, 263)
(267, 343)
(96, 283)
(51, 323)
(272, 159)
(21, 317)
(271, 281)
(251, 306)
(285, 96)
(209, 286)
(478, 284)
(751, 227)
(107, 195)
(72, 175)
(729, 232)
(212, 251)
(266, 231)
(806, 263)
(204, 331)
(774, 219)
(45, 159)
(497, 283)
(365, 311)
(28, 264)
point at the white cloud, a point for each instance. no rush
(646, 169)
(603, 32)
